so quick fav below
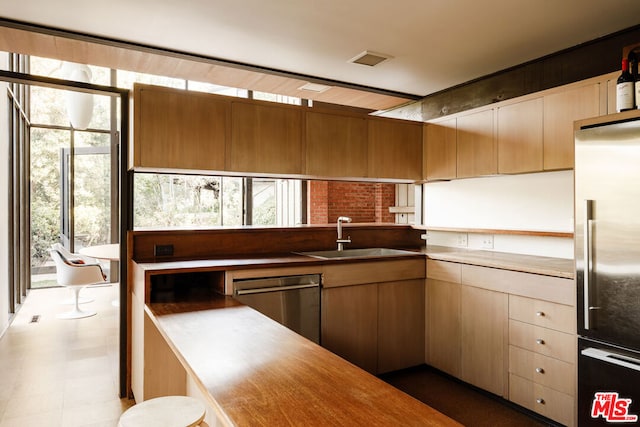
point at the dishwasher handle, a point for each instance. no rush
(275, 289)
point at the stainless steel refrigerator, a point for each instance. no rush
(607, 245)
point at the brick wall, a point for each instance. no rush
(363, 202)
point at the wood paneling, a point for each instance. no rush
(373, 272)
(440, 150)
(550, 372)
(336, 144)
(560, 111)
(520, 137)
(558, 345)
(395, 149)
(550, 315)
(178, 129)
(203, 244)
(476, 145)
(266, 138)
(543, 400)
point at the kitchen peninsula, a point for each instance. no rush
(248, 369)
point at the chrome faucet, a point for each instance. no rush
(340, 240)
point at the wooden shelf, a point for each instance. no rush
(542, 233)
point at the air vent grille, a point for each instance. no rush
(369, 58)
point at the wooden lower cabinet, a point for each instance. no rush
(507, 332)
(350, 324)
(443, 325)
(483, 338)
(400, 325)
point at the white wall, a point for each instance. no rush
(534, 202)
(4, 203)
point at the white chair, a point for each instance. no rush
(74, 257)
(75, 274)
(167, 411)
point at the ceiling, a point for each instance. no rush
(433, 44)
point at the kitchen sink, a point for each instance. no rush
(357, 253)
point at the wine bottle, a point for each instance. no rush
(625, 89)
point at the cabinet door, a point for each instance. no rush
(265, 138)
(439, 149)
(560, 111)
(476, 147)
(350, 324)
(400, 325)
(176, 129)
(395, 149)
(443, 326)
(520, 137)
(484, 338)
(336, 145)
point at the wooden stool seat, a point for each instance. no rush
(168, 411)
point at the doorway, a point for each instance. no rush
(86, 161)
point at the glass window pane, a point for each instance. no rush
(92, 197)
(126, 79)
(283, 99)
(48, 107)
(218, 90)
(264, 202)
(232, 199)
(176, 201)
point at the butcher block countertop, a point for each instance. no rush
(548, 266)
(259, 373)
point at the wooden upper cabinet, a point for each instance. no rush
(476, 146)
(520, 137)
(265, 138)
(560, 111)
(440, 150)
(176, 129)
(395, 149)
(336, 145)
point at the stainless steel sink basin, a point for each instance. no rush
(357, 253)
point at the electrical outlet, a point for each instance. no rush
(462, 240)
(163, 250)
(487, 241)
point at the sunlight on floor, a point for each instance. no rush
(57, 372)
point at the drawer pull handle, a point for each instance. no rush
(540, 370)
(540, 313)
(540, 401)
(540, 341)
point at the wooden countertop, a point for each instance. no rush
(548, 266)
(260, 373)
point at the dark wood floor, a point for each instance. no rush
(459, 401)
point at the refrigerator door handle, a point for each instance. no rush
(613, 358)
(588, 210)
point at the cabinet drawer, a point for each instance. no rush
(543, 400)
(543, 313)
(544, 370)
(373, 272)
(558, 345)
(555, 289)
(443, 270)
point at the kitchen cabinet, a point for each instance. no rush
(443, 332)
(336, 144)
(440, 150)
(483, 338)
(350, 324)
(520, 137)
(265, 138)
(560, 111)
(394, 149)
(476, 145)
(400, 324)
(176, 129)
(373, 313)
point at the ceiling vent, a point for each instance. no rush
(369, 58)
(314, 87)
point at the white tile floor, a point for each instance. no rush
(61, 372)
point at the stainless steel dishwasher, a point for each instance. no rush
(293, 301)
